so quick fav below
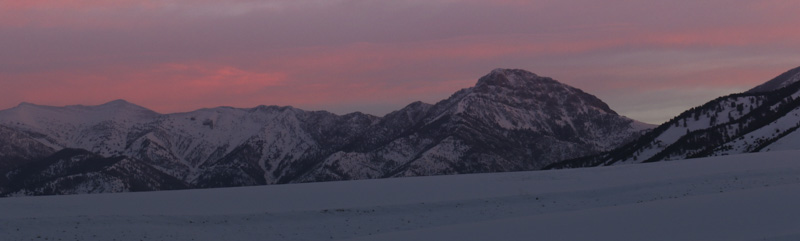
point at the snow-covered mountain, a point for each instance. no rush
(763, 119)
(510, 120)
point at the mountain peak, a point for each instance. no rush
(788, 78)
(119, 106)
(117, 102)
(509, 78)
(23, 104)
(524, 88)
(114, 104)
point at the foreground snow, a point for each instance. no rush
(742, 197)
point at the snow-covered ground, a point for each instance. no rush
(741, 197)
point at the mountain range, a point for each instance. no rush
(511, 120)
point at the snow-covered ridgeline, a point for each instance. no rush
(511, 120)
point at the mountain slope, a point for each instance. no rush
(733, 124)
(511, 120)
(16, 147)
(74, 171)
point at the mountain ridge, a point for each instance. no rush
(751, 121)
(783, 80)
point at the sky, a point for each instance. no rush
(649, 60)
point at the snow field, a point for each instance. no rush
(738, 197)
